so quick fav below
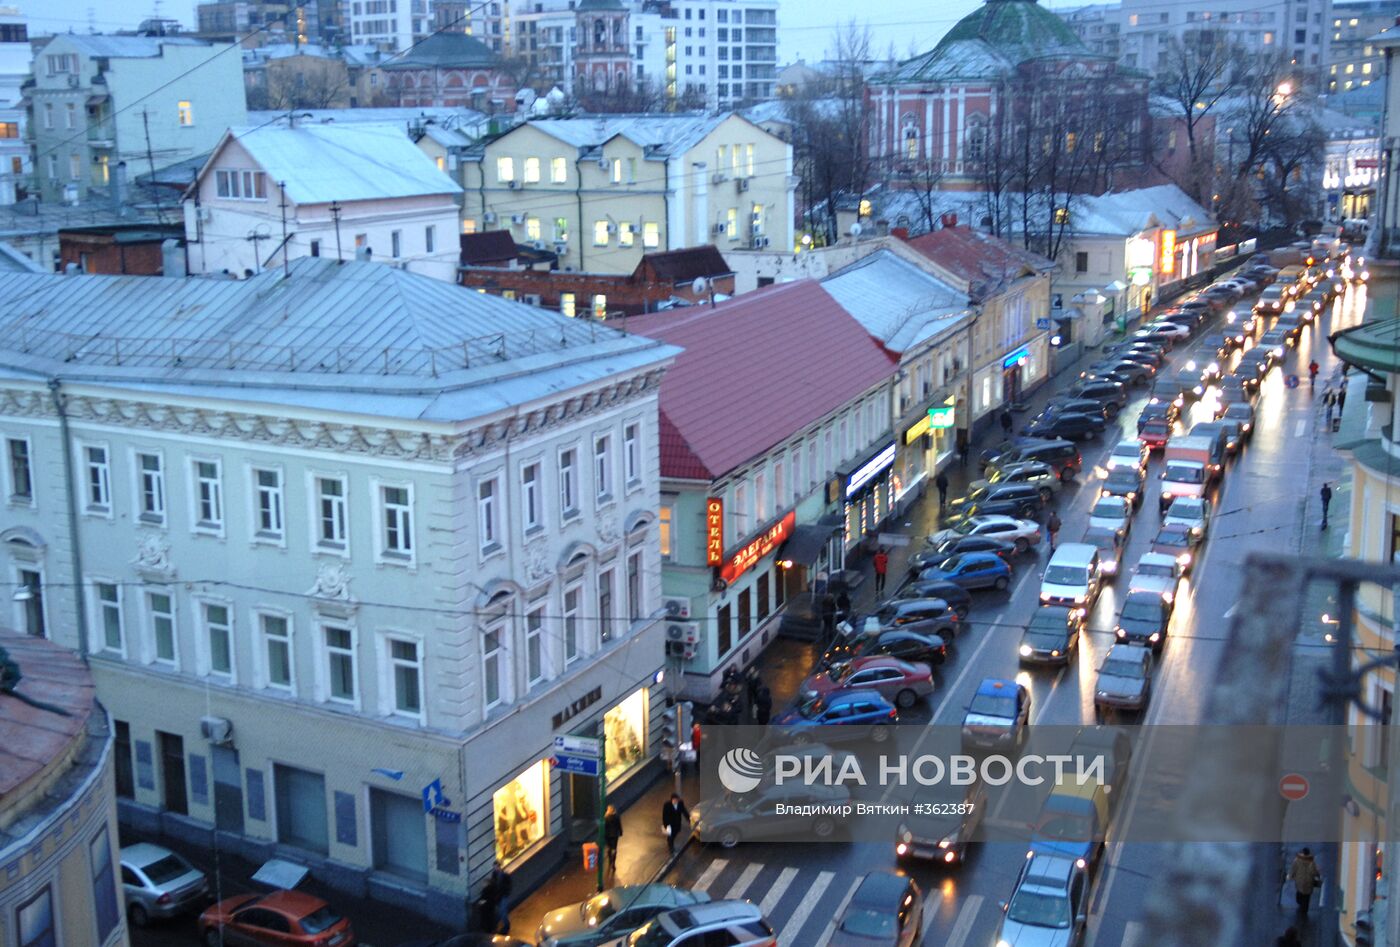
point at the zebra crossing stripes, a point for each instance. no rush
(712, 871)
(931, 902)
(775, 893)
(1132, 934)
(840, 909)
(792, 926)
(746, 877)
(967, 917)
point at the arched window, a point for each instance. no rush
(911, 142)
(975, 146)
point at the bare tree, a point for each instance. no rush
(309, 88)
(1201, 72)
(1271, 139)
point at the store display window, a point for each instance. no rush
(625, 731)
(521, 807)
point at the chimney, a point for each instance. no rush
(71, 269)
(364, 253)
(900, 232)
(117, 185)
(172, 258)
(948, 220)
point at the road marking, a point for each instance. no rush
(712, 871)
(775, 893)
(967, 917)
(1230, 612)
(1132, 934)
(840, 908)
(793, 926)
(737, 889)
(931, 903)
(1300, 427)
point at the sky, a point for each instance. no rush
(805, 29)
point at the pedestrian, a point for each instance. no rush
(1305, 877)
(1006, 423)
(752, 681)
(881, 561)
(828, 614)
(1326, 494)
(1052, 526)
(497, 895)
(843, 606)
(1312, 374)
(1289, 938)
(942, 484)
(763, 709)
(1330, 401)
(962, 454)
(612, 831)
(1341, 400)
(673, 815)
(695, 736)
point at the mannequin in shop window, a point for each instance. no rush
(624, 746)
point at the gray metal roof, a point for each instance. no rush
(127, 47)
(354, 337)
(671, 134)
(899, 304)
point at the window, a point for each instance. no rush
(277, 646)
(600, 233)
(104, 885)
(605, 604)
(109, 607)
(396, 509)
(664, 528)
(301, 808)
(488, 526)
(208, 496)
(634, 586)
(651, 235)
(731, 223)
(219, 636)
(491, 662)
(533, 229)
(407, 669)
(429, 239)
(48, 118)
(162, 612)
(469, 225)
(568, 482)
(1081, 262)
(531, 509)
(534, 646)
(724, 630)
(568, 305)
(558, 170)
(626, 234)
(532, 171)
(185, 112)
(632, 453)
(561, 230)
(330, 516)
(75, 166)
(505, 170)
(600, 306)
(99, 480)
(760, 496)
(70, 115)
(35, 916)
(340, 663)
(269, 503)
(396, 243)
(779, 484)
(602, 466)
(21, 474)
(240, 185)
(573, 600)
(522, 805)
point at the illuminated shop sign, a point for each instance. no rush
(758, 547)
(714, 531)
(1018, 357)
(941, 417)
(1168, 251)
(870, 470)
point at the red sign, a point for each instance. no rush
(714, 531)
(1293, 787)
(757, 548)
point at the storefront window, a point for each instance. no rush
(520, 807)
(624, 728)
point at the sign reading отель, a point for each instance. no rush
(758, 547)
(714, 531)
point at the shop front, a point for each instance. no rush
(521, 812)
(867, 491)
(926, 439)
(1014, 375)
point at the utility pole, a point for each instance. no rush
(335, 215)
(257, 238)
(286, 265)
(602, 805)
(150, 161)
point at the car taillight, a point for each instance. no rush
(893, 713)
(163, 899)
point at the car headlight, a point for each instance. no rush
(1120, 632)
(1045, 596)
(1101, 695)
(1166, 495)
(1167, 597)
(1191, 366)
(1184, 559)
(1198, 390)
(1055, 653)
(1026, 651)
(904, 834)
(948, 841)
(1155, 637)
(1213, 368)
(901, 849)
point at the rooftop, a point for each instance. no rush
(1373, 345)
(988, 263)
(319, 164)
(445, 50)
(102, 46)
(665, 134)
(734, 347)
(489, 246)
(992, 40)
(353, 337)
(899, 304)
(686, 264)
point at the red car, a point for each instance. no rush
(1155, 434)
(278, 919)
(901, 683)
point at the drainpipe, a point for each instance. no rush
(76, 551)
(578, 197)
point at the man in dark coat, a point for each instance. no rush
(674, 814)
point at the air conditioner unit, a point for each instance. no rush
(719, 177)
(612, 228)
(684, 632)
(741, 185)
(690, 650)
(74, 81)
(517, 219)
(216, 730)
(677, 608)
(720, 228)
(489, 217)
(757, 230)
(603, 163)
(560, 246)
(513, 185)
(761, 242)
(537, 244)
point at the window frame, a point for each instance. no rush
(558, 170)
(569, 619)
(490, 518)
(12, 494)
(505, 169)
(325, 686)
(43, 893)
(198, 525)
(90, 507)
(150, 516)
(278, 493)
(498, 657)
(264, 662)
(530, 170)
(568, 484)
(205, 641)
(319, 544)
(532, 506)
(151, 614)
(632, 454)
(184, 112)
(404, 555)
(391, 665)
(535, 649)
(100, 607)
(603, 472)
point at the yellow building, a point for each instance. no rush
(58, 814)
(600, 192)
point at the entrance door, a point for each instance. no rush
(398, 833)
(228, 790)
(583, 797)
(172, 772)
(34, 604)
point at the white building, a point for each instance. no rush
(723, 50)
(393, 25)
(15, 60)
(276, 191)
(371, 539)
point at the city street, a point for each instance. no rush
(1267, 500)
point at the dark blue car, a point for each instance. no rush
(862, 712)
(972, 570)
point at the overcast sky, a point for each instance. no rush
(805, 30)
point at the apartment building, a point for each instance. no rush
(15, 63)
(600, 192)
(151, 101)
(1355, 61)
(720, 52)
(392, 25)
(373, 539)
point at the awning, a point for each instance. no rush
(806, 543)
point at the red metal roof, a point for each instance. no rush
(986, 262)
(756, 370)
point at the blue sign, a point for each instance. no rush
(433, 797)
(446, 815)
(1017, 356)
(1291, 381)
(579, 765)
(1042, 323)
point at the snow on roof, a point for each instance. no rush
(671, 134)
(1124, 213)
(355, 337)
(899, 304)
(126, 47)
(318, 164)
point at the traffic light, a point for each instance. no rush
(671, 736)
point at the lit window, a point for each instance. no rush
(186, 112)
(731, 223)
(651, 235)
(616, 174)
(567, 304)
(505, 170)
(600, 233)
(558, 170)
(600, 306)
(664, 530)
(1366, 68)
(532, 228)
(626, 234)
(469, 225)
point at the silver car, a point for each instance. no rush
(159, 883)
(1191, 512)
(1158, 573)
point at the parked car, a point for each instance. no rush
(736, 923)
(1021, 533)
(997, 716)
(1125, 679)
(957, 598)
(1051, 635)
(159, 883)
(1061, 455)
(929, 558)
(861, 714)
(1082, 427)
(913, 643)
(1041, 476)
(1143, 619)
(972, 570)
(1069, 404)
(611, 914)
(278, 919)
(886, 910)
(1049, 907)
(1011, 499)
(899, 682)
(478, 939)
(1104, 392)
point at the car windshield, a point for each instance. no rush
(1064, 575)
(1123, 477)
(1049, 618)
(1128, 452)
(1065, 827)
(993, 705)
(1142, 609)
(1101, 536)
(1173, 537)
(598, 909)
(965, 528)
(323, 918)
(1108, 507)
(1156, 569)
(1121, 667)
(1238, 412)
(1038, 910)
(863, 922)
(652, 935)
(1185, 473)
(167, 869)
(1155, 427)
(1185, 509)
(812, 708)
(951, 564)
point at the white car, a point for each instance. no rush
(1021, 533)
(1189, 511)
(1114, 513)
(1174, 329)
(1132, 453)
(1158, 573)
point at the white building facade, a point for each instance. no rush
(725, 51)
(15, 60)
(361, 592)
(392, 25)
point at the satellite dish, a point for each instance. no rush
(856, 229)
(698, 286)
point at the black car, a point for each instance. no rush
(899, 613)
(958, 598)
(930, 558)
(1150, 357)
(903, 643)
(1126, 482)
(1187, 385)
(1160, 336)
(1051, 634)
(1157, 411)
(1127, 371)
(1220, 344)
(1068, 404)
(1021, 500)
(1066, 426)
(1144, 619)
(470, 940)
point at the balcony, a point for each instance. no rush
(102, 134)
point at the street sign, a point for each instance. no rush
(1293, 787)
(580, 765)
(1291, 381)
(577, 746)
(1042, 323)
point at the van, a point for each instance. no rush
(1192, 464)
(1072, 576)
(1217, 433)
(1073, 822)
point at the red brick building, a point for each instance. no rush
(121, 250)
(602, 59)
(449, 70)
